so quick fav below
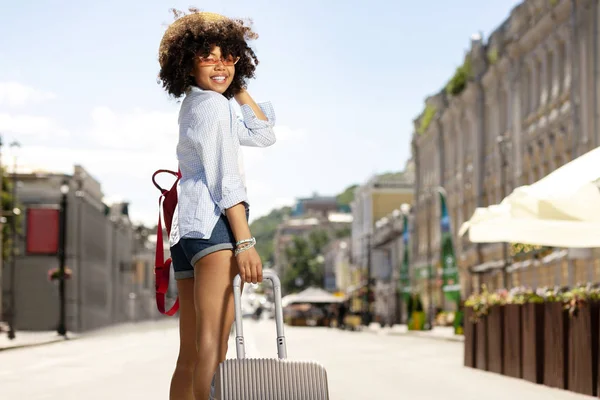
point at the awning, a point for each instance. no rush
(311, 295)
(560, 210)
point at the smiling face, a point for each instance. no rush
(214, 71)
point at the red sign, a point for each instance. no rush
(42, 230)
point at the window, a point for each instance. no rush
(502, 114)
(537, 89)
(525, 88)
(489, 124)
(550, 92)
(562, 67)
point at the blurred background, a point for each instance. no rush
(435, 162)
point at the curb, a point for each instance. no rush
(415, 334)
(37, 344)
(458, 339)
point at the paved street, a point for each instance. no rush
(135, 362)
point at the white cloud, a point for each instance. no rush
(14, 94)
(30, 125)
(137, 130)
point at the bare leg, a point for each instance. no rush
(213, 291)
(181, 383)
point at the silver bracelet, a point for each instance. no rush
(244, 248)
(251, 240)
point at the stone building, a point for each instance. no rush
(523, 104)
(110, 259)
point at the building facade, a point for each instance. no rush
(377, 199)
(309, 215)
(388, 246)
(110, 265)
(337, 265)
(523, 104)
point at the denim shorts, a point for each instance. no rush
(188, 251)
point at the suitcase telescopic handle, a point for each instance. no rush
(239, 330)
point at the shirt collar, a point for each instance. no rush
(194, 88)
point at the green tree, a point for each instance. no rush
(343, 232)
(7, 206)
(264, 228)
(305, 262)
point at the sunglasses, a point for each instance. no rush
(212, 61)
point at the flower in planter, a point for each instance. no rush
(479, 302)
(552, 294)
(55, 274)
(524, 295)
(577, 297)
(498, 298)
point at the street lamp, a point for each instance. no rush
(62, 323)
(503, 144)
(367, 316)
(429, 205)
(14, 146)
(401, 285)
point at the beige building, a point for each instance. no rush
(528, 105)
(337, 265)
(379, 197)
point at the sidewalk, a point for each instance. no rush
(438, 332)
(37, 338)
(29, 339)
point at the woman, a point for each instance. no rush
(206, 58)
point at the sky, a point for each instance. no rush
(78, 85)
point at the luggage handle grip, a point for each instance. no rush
(239, 330)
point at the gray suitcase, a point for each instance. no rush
(267, 379)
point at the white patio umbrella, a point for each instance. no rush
(560, 210)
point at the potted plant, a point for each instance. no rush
(495, 330)
(555, 334)
(531, 333)
(581, 304)
(475, 322)
(54, 275)
(416, 320)
(512, 332)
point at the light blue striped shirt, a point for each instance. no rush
(210, 135)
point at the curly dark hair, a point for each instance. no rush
(192, 37)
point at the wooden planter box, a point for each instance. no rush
(481, 344)
(583, 350)
(513, 344)
(556, 349)
(532, 317)
(470, 333)
(495, 333)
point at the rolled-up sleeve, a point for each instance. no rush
(253, 131)
(214, 142)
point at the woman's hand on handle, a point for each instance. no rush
(249, 263)
(250, 266)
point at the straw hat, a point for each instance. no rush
(178, 27)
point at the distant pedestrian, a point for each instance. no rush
(342, 311)
(205, 58)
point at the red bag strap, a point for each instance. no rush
(160, 171)
(162, 268)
